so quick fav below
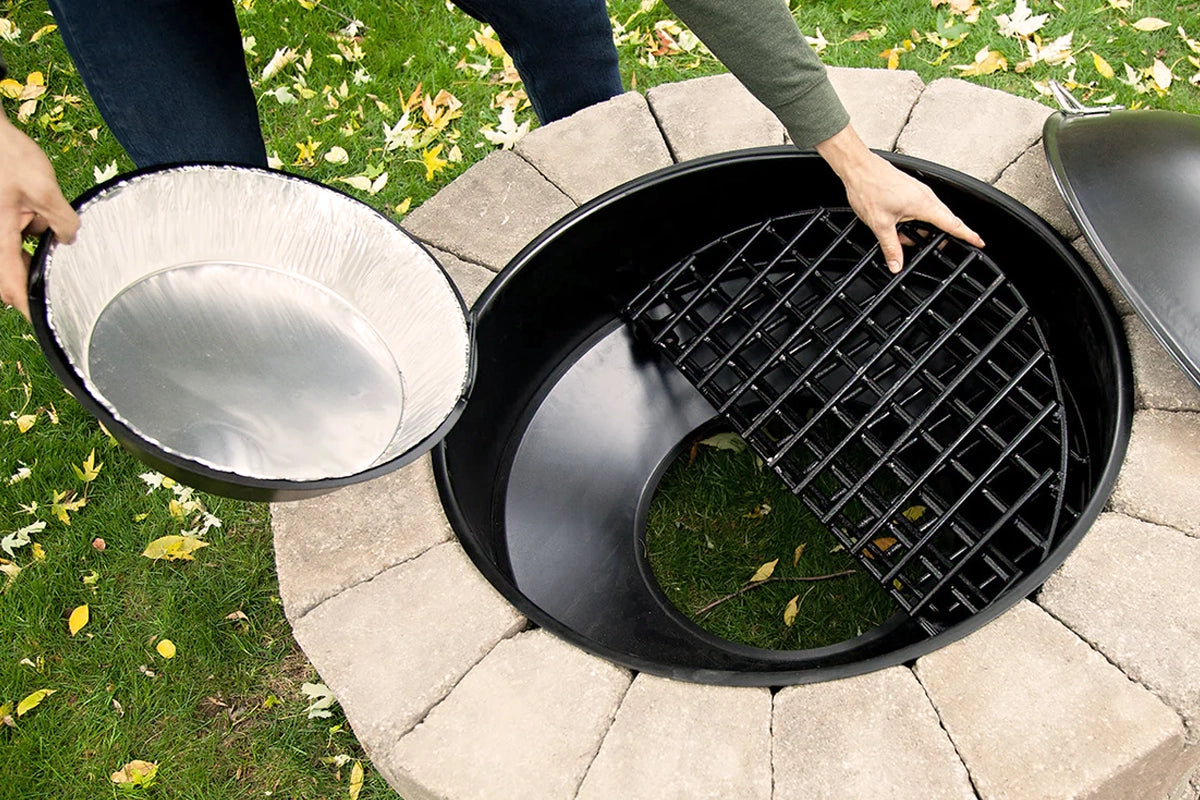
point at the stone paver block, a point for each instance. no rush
(598, 148)
(870, 736)
(1157, 380)
(973, 129)
(1120, 303)
(487, 214)
(525, 722)
(1160, 480)
(326, 544)
(879, 101)
(712, 115)
(471, 279)
(1132, 589)
(1036, 713)
(1029, 180)
(684, 741)
(393, 647)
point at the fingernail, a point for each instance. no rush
(893, 266)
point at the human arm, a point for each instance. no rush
(760, 44)
(30, 202)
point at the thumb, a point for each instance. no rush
(60, 217)
(889, 245)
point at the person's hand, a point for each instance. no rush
(883, 196)
(30, 202)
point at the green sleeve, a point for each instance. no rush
(759, 42)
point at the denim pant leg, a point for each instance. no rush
(562, 48)
(168, 76)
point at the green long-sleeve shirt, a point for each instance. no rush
(760, 44)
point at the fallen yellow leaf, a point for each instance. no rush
(33, 700)
(1150, 24)
(135, 773)
(165, 648)
(796, 555)
(914, 513)
(79, 618)
(25, 422)
(356, 780)
(790, 611)
(764, 571)
(1102, 66)
(174, 548)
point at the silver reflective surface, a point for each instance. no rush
(258, 324)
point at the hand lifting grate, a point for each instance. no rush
(918, 416)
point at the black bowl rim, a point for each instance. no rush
(185, 470)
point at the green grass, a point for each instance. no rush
(226, 717)
(716, 519)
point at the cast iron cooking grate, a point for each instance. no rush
(919, 416)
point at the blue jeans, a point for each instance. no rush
(170, 80)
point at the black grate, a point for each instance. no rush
(919, 415)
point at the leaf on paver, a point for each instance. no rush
(790, 611)
(356, 780)
(764, 571)
(174, 548)
(322, 700)
(726, 441)
(79, 617)
(136, 773)
(32, 701)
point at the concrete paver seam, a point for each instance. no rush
(946, 731)
(1036, 145)
(548, 179)
(662, 131)
(607, 730)
(460, 258)
(1122, 670)
(295, 620)
(1109, 508)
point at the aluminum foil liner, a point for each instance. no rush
(257, 323)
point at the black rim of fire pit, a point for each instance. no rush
(931, 390)
(559, 302)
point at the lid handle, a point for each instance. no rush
(1072, 107)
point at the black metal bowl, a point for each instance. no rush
(548, 474)
(252, 333)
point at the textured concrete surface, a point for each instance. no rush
(1160, 480)
(1029, 180)
(1158, 381)
(526, 722)
(329, 543)
(712, 115)
(394, 646)
(683, 741)
(1132, 590)
(1035, 712)
(471, 279)
(1121, 305)
(865, 737)
(598, 148)
(487, 214)
(971, 128)
(879, 101)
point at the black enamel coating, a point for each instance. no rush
(549, 472)
(1132, 182)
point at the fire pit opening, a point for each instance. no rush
(956, 429)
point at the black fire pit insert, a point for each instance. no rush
(549, 474)
(931, 392)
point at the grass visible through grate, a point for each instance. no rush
(716, 518)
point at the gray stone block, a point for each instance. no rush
(326, 544)
(879, 101)
(471, 279)
(684, 741)
(487, 214)
(712, 115)
(870, 736)
(1158, 482)
(1132, 590)
(394, 646)
(1120, 303)
(1158, 381)
(1029, 180)
(598, 148)
(971, 128)
(1036, 713)
(525, 722)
